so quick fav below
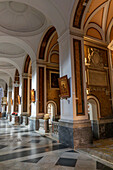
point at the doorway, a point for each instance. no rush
(94, 114)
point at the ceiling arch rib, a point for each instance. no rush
(109, 14)
(93, 14)
(105, 14)
(109, 31)
(94, 5)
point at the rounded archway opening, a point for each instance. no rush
(51, 110)
(93, 113)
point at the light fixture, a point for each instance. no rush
(84, 3)
(33, 95)
(19, 100)
(11, 101)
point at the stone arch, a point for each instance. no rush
(78, 13)
(27, 64)
(51, 111)
(27, 79)
(96, 102)
(44, 41)
(94, 114)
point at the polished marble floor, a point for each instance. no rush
(21, 149)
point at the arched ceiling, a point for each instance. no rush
(22, 23)
(6, 65)
(9, 50)
(20, 19)
(98, 20)
(2, 83)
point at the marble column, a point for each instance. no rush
(33, 120)
(9, 96)
(74, 126)
(12, 105)
(21, 103)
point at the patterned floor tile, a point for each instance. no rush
(66, 162)
(28, 150)
(102, 166)
(35, 160)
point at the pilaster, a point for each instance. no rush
(74, 126)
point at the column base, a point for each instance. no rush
(9, 117)
(15, 120)
(44, 125)
(20, 119)
(76, 133)
(33, 123)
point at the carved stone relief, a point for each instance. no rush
(94, 58)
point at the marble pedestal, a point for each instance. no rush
(33, 123)
(25, 120)
(15, 120)
(44, 125)
(76, 133)
(9, 117)
(20, 119)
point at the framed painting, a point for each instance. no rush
(54, 80)
(11, 101)
(19, 99)
(64, 87)
(33, 95)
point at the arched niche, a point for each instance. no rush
(27, 81)
(94, 114)
(48, 54)
(51, 110)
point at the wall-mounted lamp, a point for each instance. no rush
(33, 95)
(11, 101)
(19, 99)
(87, 91)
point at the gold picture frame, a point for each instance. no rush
(19, 99)
(11, 101)
(64, 87)
(33, 95)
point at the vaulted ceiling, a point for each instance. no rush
(22, 24)
(99, 20)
